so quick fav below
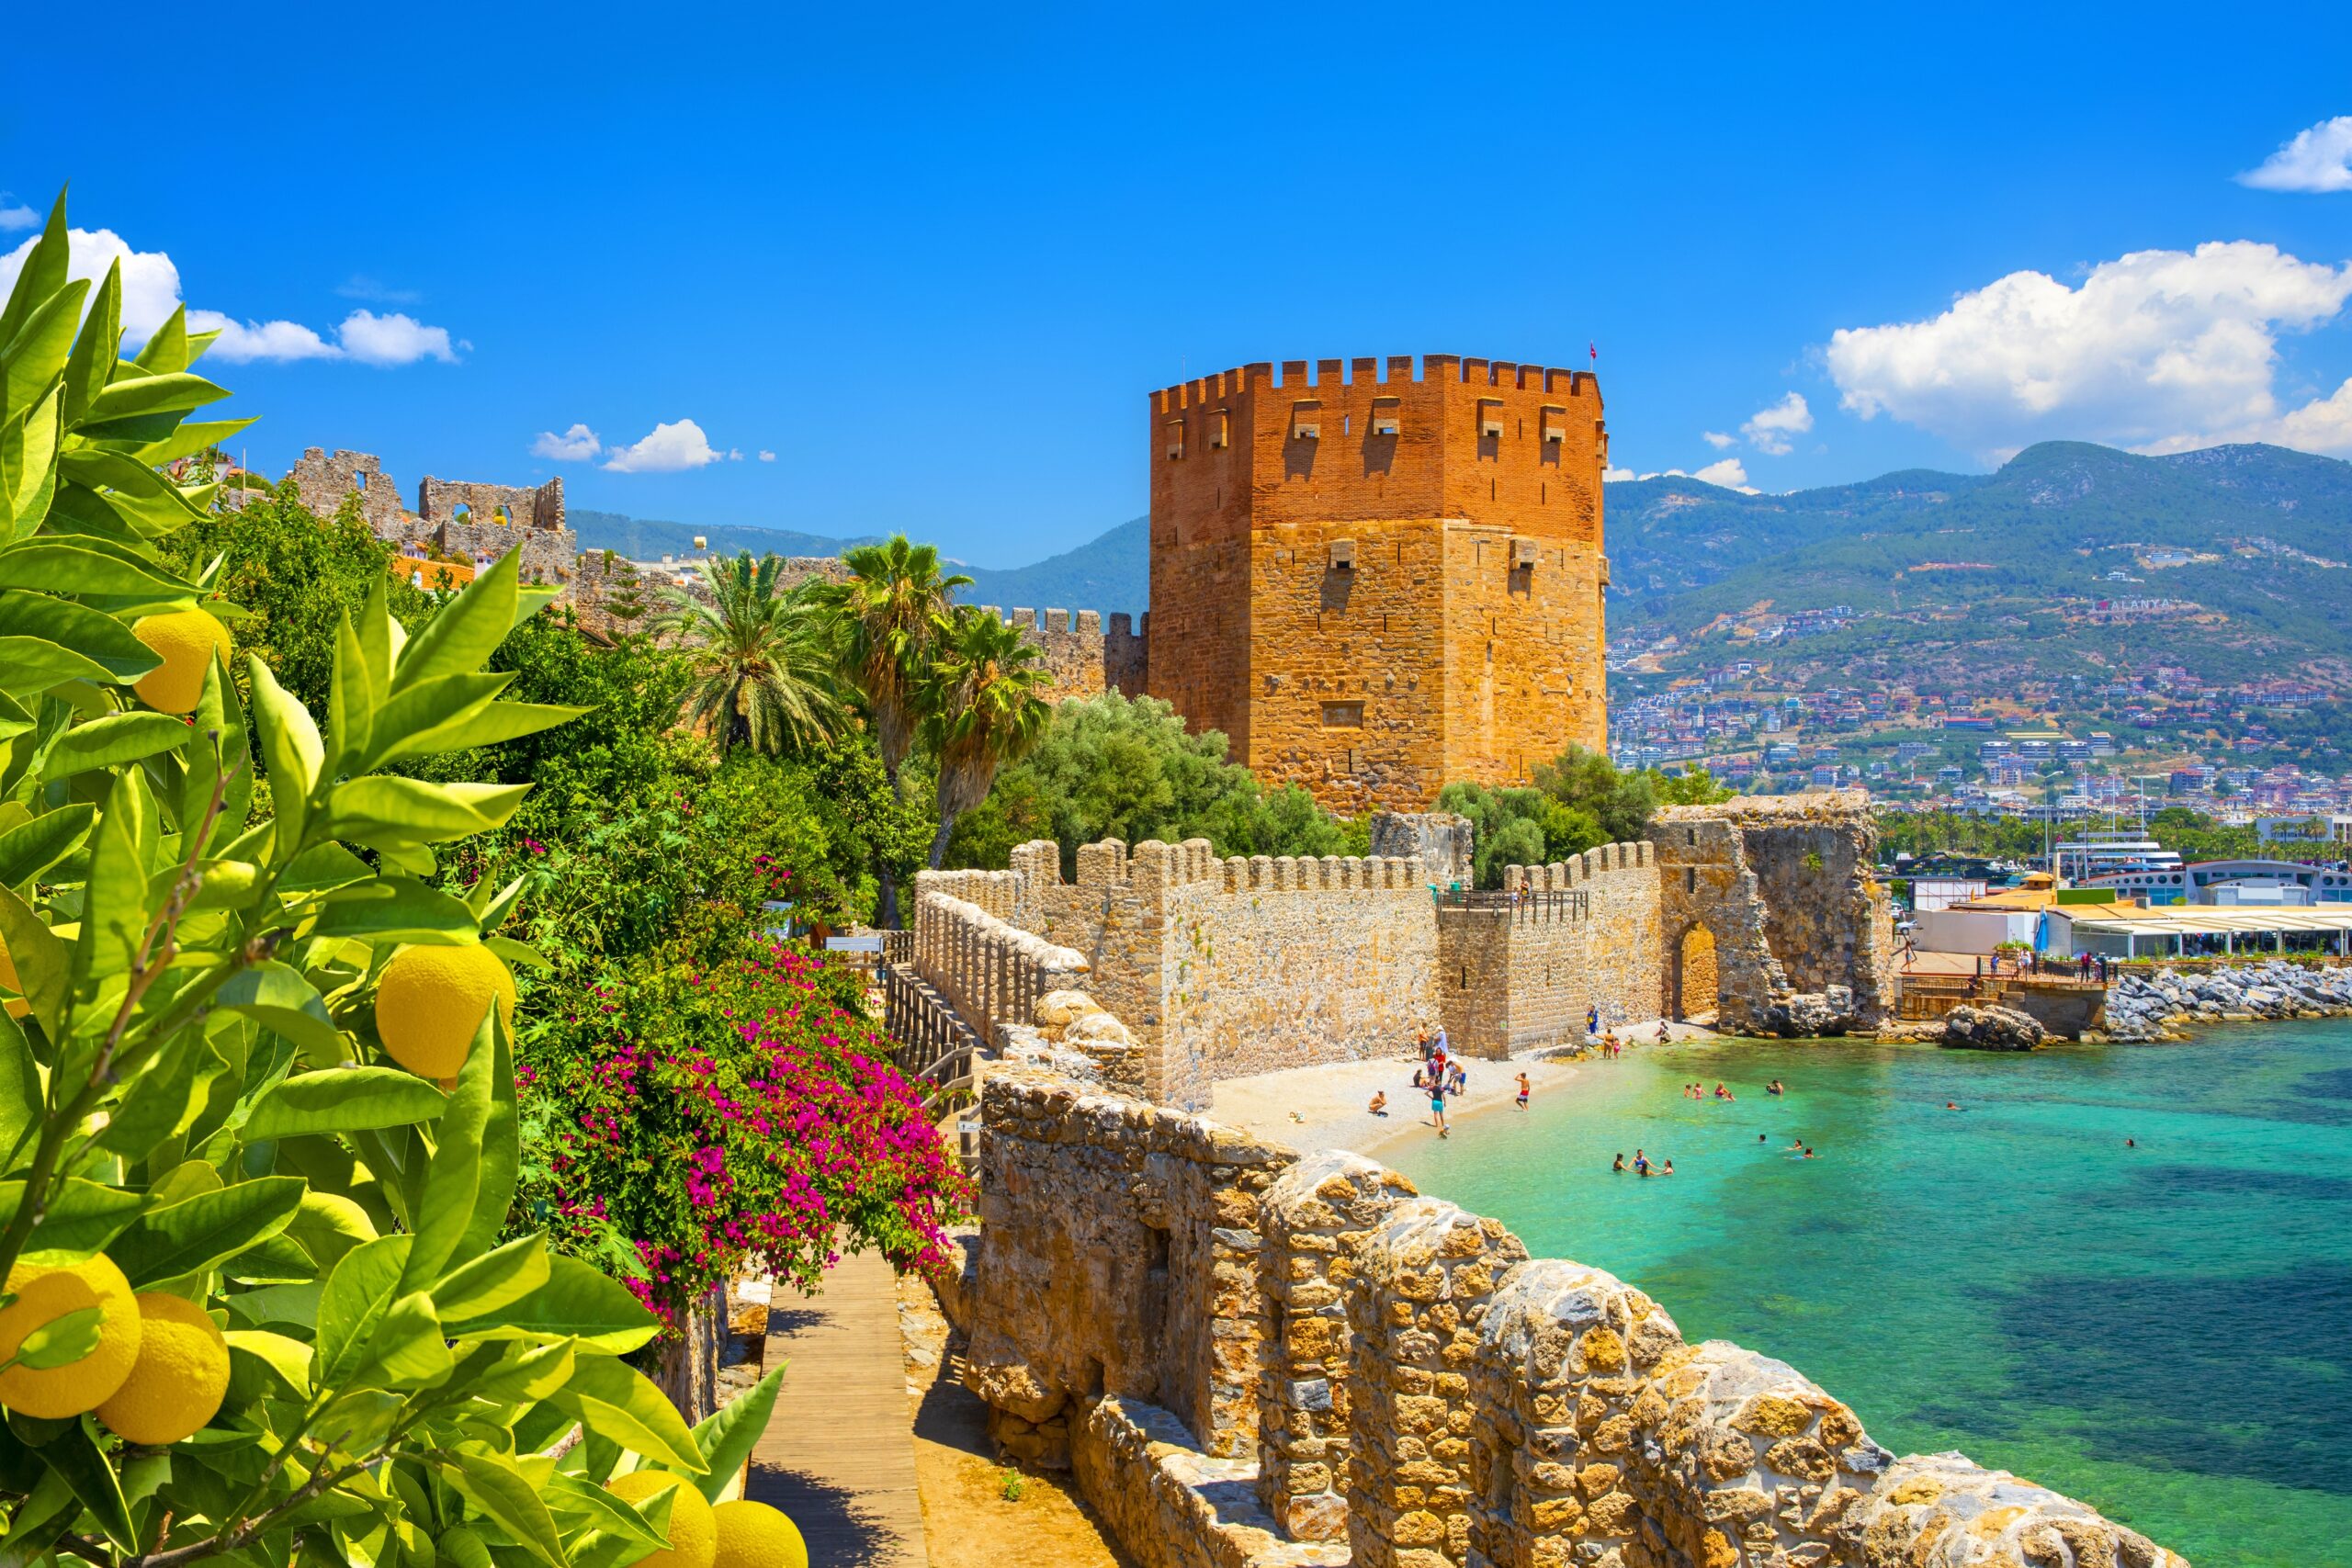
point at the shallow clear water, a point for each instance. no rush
(2164, 1332)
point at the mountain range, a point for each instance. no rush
(2253, 539)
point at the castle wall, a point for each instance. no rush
(1582, 933)
(322, 480)
(1464, 640)
(1224, 968)
(1803, 933)
(1253, 1360)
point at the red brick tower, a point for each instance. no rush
(1375, 584)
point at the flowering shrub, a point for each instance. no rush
(687, 1126)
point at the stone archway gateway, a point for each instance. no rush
(1693, 992)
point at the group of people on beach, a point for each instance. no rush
(1440, 1075)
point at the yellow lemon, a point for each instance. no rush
(752, 1535)
(693, 1535)
(430, 1000)
(44, 1296)
(188, 640)
(180, 1377)
(17, 1006)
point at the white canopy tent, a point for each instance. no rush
(2173, 931)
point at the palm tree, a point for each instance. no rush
(888, 619)
(981, 710)
(763, 659)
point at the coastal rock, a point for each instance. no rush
(1808, 1014)
(1992, 1029)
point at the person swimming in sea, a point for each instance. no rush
(1775, 1087)
(1619, 1163)
(1667, 1169)
(1723, 1093)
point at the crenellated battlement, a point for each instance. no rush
(1579, 870)
(1155, 867)
(1397, 370)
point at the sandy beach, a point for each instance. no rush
(1323, 1107)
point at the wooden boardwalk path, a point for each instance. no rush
(839, 1451)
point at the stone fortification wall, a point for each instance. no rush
(1441, 840)
(990, 972)
(460, 520)
(1519, 969)
(1223, 968)
(1802, 932)
(1256, 1362)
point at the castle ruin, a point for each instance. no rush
(454, 520)
(1227, 968)
(1377, 582)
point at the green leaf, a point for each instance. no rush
(577, 1301)
(328, 1225)
(31, 848)
(278, 997)
(81, 1218)
(20, 1092)
(352, 698)
(113, 741)
(41, 960)
(578, 1499)
(359, 1290)
(93, 635)
(166, 347)
(343, 1099)
(408, 1349)
(321, 867)
(490, 1282)
(44, 272)
(37, 356)
(396, 908)
(725, 1438)
(115, 910)
(165, 1099)
(207, 1230)
(492, 1484)
(289, 1358)
(528, 1375)
(502, 1148)
(63, 1340)
(516, 952)
(76, 1459)
(453, 1181)
(381, 807)
(289, 747)
(94, 352)
(620, 1403)
(81, 567)
(131, 397)
(467, 630)
(31, 664)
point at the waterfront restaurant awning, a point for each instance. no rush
(2204, 919)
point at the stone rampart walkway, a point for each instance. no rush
(837, 1455)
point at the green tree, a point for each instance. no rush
(1112, 766)
(983, 707)
(762, 660)
(196, 1071)
(887, 619)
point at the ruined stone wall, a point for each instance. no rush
(1257, 1362)
(1224, 968)
(510, 506)
(1439, 840)
(322, 480)
(533, 517)
(1521, 971)
(992, 973)
(1075, 650)
(1373, 582)
(1803, 933)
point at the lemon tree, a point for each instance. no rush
(258, 1134)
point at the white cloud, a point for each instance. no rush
(1717, 439)
(15, 214)
(2159, 350)
(668, 449)
(1771, 429)
(2317, 159)
(734, 454)
(1616, 476)
(575, 445)
(151, 292)
(767, 455)
(1727, 473)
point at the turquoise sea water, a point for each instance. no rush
(2164, 1332)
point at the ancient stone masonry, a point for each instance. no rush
(1376, 581)
(460, 520)
(1797, 930)
(1520, 969)
(1252, 1361)
(1085, 660)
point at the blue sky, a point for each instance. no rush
(931, 260)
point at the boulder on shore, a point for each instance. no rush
(1992, 1029)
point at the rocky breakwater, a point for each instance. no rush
(2163, 1006)
(1992, 1029)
